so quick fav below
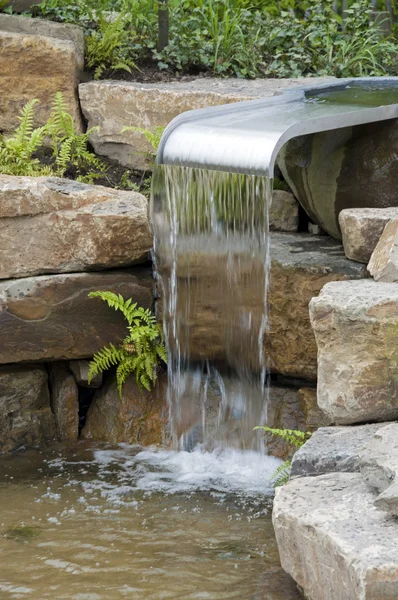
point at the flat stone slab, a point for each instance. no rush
(53, 225)
(51, 317)
(113, 105)
(361, 229)
(379, 466)
(333, 541)
(333, 449)
(356, 329)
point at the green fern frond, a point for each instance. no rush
(104, 359)
(153, 136)
(292, 436)
(282, 474)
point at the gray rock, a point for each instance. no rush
(351, 167)
(113, 105)
(284, 212)
(361, 229)
(355, 325)
(51, 225)
(25, 414)
(51, 318)
(333, 541)
(64, 401)
(383, 265)
(333, 449)
(80, 369)
(379, 466)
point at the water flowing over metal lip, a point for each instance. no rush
(246, 137)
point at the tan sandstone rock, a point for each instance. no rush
(139, 417)
(52, 225)
(50, 317)
(361, 229)
(64, 401)
(25, 414)
(37, 62)
(356, 328)
(383, 265)
(113, 105)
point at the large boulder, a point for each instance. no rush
(383, 265)
(64, 401)
(356, 328)
(52, 225)
(37, 60)
(210, 326)
(113, 105)
(333, 541)
(138, 417)
(51, 318)
(25, 414)
(352, 167)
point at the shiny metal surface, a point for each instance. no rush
(246, 137)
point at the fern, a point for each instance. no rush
(153, 136)
(140, 352)
(282, 474)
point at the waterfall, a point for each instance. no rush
(211, 259)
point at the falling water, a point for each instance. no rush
(212, 264)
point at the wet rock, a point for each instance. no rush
(50, 317)
(350, 167)
(361, 229)
(284, 212)
(80, 369)
(64, 401)
(333, 449)
(113, 105)
(25, 414)
(383, 265)
(355, 324)
(139, 417)
(51, 225)
(333, 541)
(37, 60)
(379, 466)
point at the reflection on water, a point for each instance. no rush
(107, 523)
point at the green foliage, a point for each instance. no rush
(293, 437)
(140, 352)
(152, 136)
(19, 153)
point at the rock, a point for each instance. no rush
(383, 265)
(333, 541)
(333, 449)
(51, 225)
(361, 229)
(299, 262)
(51, 318)
(139, 417)
(356, 328)
(113, 105)
(38, 60)
(80, 369)
(313, 416)
(284, 212)
(379, 466)
(25, 414)
(64, 401)
(345, 168)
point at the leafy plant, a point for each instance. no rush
(140, 352)
(293, 437)
(152, 136)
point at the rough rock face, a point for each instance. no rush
(333, 449)
(383, 265)
(50, 317)
(25, 413)
(114, 105)
(64, 401)
(57, 226)
(345, 168)
(333, 542)
(356, 328)
(361, 229)
(139, 417)
(284, 212)
(80, 369)
(379, 466)
(37, 64)
(301, 265)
